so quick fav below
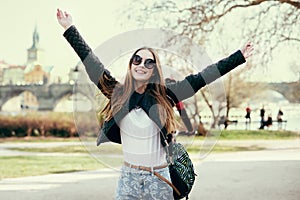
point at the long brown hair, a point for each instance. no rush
(122, 92)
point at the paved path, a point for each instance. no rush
(267, 144)
(272, 174)
(5, 148)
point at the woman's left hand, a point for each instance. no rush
(64, 19)
(247, 50)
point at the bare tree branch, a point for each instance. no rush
(269, 23)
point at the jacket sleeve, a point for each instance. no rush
(194, 82)
(93, 66)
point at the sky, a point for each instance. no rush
(97, 20)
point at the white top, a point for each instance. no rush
(141, 140)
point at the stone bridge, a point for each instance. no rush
(290, 90)
(47, 95)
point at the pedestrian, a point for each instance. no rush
(182, 111)
(262, 118)
(269, 121)
(279, 118)
(132, 115)
(248, 116)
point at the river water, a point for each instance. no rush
(291, 115)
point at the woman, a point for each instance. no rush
(139, 113)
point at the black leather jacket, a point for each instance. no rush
(177, 91)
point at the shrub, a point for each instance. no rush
(38, 124)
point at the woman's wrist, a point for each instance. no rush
(67, 26)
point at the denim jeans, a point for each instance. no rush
(136, 184)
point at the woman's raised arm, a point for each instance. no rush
(194, 82)
(94, 68)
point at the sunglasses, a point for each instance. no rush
(148, 63)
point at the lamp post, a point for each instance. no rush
(75, 74)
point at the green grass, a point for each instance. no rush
(20, 166)
(194, 148)
(38, 139)
(243, 135)
(222, 148)
(257, 134)
(222, 135)
(60, 149)
(104, 149)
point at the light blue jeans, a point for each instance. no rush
(135, 184)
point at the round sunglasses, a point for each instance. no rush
(148, 63)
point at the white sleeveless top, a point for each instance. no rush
(141, 140)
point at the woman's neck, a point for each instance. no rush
(140, 88)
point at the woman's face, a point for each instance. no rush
(140, 73)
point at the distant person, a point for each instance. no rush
(269, 121)
(182, 111)
(279, 118)
(184, 117)
(248, 116)
(224, 120)
(262, 118)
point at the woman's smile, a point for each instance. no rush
(139, 72)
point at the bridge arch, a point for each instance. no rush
(69, 100)
(47, 95)
(290, 90)
(8, 95)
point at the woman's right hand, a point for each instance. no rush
(64, 19)
(247, 50)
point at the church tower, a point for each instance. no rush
(35, 73)
(34, 52)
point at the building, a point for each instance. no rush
(37, 75)
(33, 72)
(3, 66)
(13, 75)
(35, 54)
(36, 60)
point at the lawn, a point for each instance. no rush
(71, 161)
(257, 134)
(19, 166)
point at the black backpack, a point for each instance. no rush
(181, 171)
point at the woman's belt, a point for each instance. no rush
(151, 170)
(145, 168)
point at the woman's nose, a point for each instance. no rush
(142, 65)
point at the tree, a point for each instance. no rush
(268, 22)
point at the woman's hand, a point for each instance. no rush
(64, 19)
(247, 50)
